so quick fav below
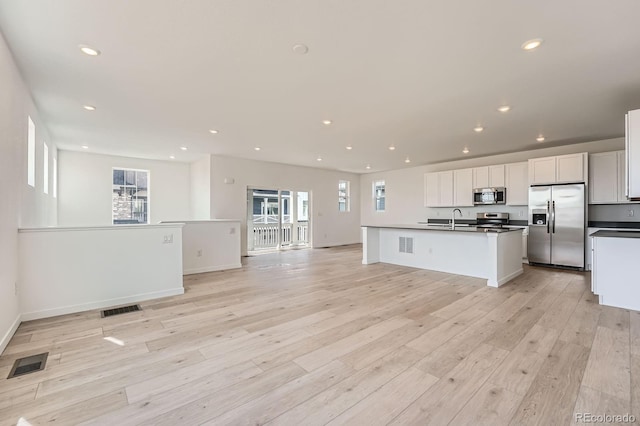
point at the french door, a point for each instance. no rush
(277, 219)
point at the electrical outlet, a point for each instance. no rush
(168, 239)
(630, 212)
(520, 213)
(199, 253)
(15, 285)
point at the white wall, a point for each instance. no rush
(20, 204)
(85, 182)
(210, 245)
(329, 227)
(67, 270)
(201, 189)
(405, 187)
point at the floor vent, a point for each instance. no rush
(29, 364)
(121, 310)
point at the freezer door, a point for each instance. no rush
(539, 244)
(567, 225)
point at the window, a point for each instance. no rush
(55, 177)
(378, 195)
(130, 196)
(343, 196)
(45, 169)
(31, 154)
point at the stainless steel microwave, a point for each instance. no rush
(496, 195)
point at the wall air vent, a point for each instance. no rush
(28, 365)
(405, 244)
(121, 310)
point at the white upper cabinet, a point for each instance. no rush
(542, 170)
(561, 169)
(517, 183)
(438, 189)
(632, 150)
(571, 168)
(622, 177)
(481, 177)
(603, 178)
(463, 188)
(489, 176)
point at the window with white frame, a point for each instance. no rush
(379, 195)
(55, 177)
(31, 154)
(344, 195)
(130, 196)
(45, 169)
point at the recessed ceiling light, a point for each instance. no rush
(392, 148)
(504, 108)
(407, 160)
(88, 50)
(257, 148)
(368, 167)
(213, 131)
(89, 107)
(540, 138)
(300, 49)
(531, 44)
(327, 122)
(478, 129)
(465, 150)
(184, 148)
(318, 159)
(85, 147)
(172, 156)
(349, 147)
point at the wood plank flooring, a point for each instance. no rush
(313, 337)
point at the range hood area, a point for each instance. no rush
(632, 153)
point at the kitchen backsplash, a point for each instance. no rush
(614, 213)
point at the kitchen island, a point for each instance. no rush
(614, 269)
(494, 254)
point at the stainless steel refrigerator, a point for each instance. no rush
(557, 225)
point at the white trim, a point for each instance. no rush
(504, 280)
(102, 228)
(100, 304)
(212, 268)
(9, 334)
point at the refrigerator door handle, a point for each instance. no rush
(548, 217)
(553, 217)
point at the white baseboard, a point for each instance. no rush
(28, 316)
(508, 278)
(9, 334)
(212, 268)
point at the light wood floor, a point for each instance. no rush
(314, 337)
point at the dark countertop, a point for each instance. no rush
(603, 224)
(616, 234)
(467, 229)
(473, 222)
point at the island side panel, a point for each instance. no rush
(462, 253)
(505, 253)
(370, 245)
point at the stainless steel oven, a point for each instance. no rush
(497, 195)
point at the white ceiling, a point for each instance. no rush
(413, 73)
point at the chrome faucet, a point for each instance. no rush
(453, 217)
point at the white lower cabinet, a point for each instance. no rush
(614, 271)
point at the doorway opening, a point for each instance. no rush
(277, 219)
